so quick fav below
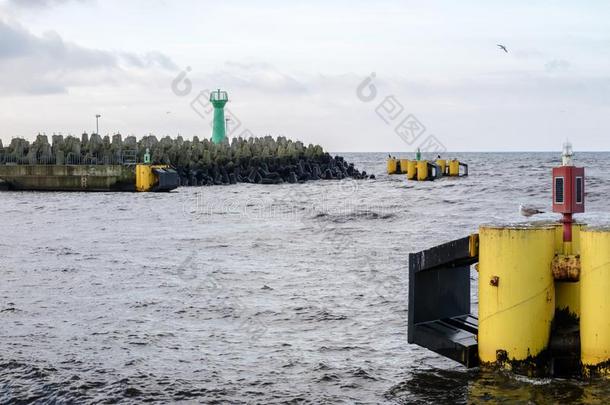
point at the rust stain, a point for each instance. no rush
(495, 281)
(566, 267)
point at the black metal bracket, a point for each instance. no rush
(439, 300)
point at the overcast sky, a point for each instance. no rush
(294, 68)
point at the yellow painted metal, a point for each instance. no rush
(404, 164)
(442, 163)
(412, 169)
(567, 294)
(568, 248)
(595, 298)
(145, 177)
(454, 167)
(473, 245)
(515, 315)
(422, 170)
(391, 163)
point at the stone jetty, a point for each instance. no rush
(262, 160)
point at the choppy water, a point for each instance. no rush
(252, 293)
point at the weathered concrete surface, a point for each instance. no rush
(265, 160)
(69, 177)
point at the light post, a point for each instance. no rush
(97, 124)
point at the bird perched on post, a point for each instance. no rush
(502, 47)
(529, 211)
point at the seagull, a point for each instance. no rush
(503, 48)
(529, 211)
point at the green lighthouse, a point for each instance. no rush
(218, 99)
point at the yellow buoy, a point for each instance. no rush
(422, 170)
(595, 299)
(516, 292)
(391, 163)
(404, 164)
(412, 169)
(454, 167)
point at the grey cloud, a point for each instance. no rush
(152, 59)
(41, 3)
(13, 41)
(527, 53)
(516, 88)
(48, 64)
(556, 65)
(258, 76)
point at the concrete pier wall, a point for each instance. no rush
(69, 177)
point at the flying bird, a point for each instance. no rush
(529, 211)
(503, 48)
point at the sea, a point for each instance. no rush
(257, 294)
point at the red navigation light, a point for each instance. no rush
(569, 189)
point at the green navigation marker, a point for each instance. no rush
(219, 99)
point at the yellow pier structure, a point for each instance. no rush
(155, 178)
(404, 165)
(595, 301)
(567, 292)
(543, 291)
(442, 163)
(391, 164)
(516, 292)
(424, 170)
(454, 168)
(412, 170)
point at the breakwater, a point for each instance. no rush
(263, 160)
